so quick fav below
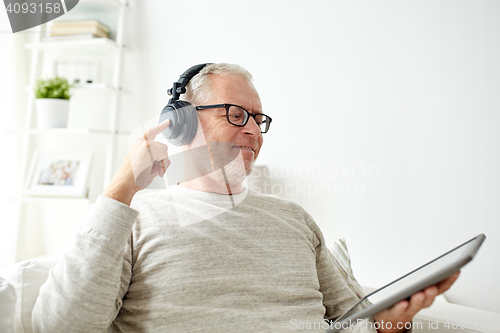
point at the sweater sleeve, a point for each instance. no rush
(84, 290)
(337, 296)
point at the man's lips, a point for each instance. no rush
(245, 147)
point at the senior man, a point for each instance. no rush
(253, 266)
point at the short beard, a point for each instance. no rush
(238, 169)
(221, 156)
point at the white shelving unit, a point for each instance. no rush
(86, 47)
(95, 48)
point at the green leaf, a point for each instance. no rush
(57, 87)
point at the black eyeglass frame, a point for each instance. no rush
(226, 106)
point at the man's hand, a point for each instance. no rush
(145, 160)
(394, 319)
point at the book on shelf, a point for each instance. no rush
(75, 27)
(66, 32)
(81, 23)
(68, 37)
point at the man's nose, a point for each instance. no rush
(252, 128)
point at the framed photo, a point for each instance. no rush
(59, 174)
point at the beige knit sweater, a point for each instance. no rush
(194, 263)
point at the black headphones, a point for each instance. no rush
(183, 116)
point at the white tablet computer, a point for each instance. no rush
(429, 274)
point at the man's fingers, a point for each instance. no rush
(425, 298)
(404, 311)
(446, 284)
(430, 294)
(151, 133)
(164, 165)
(158, 150)
(160, 167)
(400, 308)
(146, 152)
(417, 302)
(157, 169)
(144, 158)
(146, 161)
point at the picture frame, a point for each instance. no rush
(59, 174)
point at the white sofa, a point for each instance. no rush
(446, 317)
(24, 279)
(7, 306)
(20, 284)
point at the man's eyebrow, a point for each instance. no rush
(242, 106)
(255, 112)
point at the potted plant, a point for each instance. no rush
(52, 102)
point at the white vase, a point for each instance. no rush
(52, 112)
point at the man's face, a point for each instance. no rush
(232, 89)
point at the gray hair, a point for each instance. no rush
(198, 89)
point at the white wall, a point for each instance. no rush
(386, 116)
(12, 104)
(405, 93)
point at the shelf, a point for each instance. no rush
(92, 86)
(91, 45)
(83, 86)
(92, 6)
(60, 131)
(96, 87)
(105, 97)
(48, 199)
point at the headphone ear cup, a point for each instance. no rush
(183, 122)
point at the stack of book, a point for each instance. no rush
(77, 29)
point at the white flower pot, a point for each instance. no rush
(52, 112)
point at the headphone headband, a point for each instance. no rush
(179, 87)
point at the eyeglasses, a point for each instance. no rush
(238, 116)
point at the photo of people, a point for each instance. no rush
(59, 173)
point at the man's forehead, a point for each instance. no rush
(235, 89)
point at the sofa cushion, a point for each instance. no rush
(26, 278)
(340, 254)
(7, 306)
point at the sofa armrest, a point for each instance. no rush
(19, 285)
(447, 317)
(7, 306)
